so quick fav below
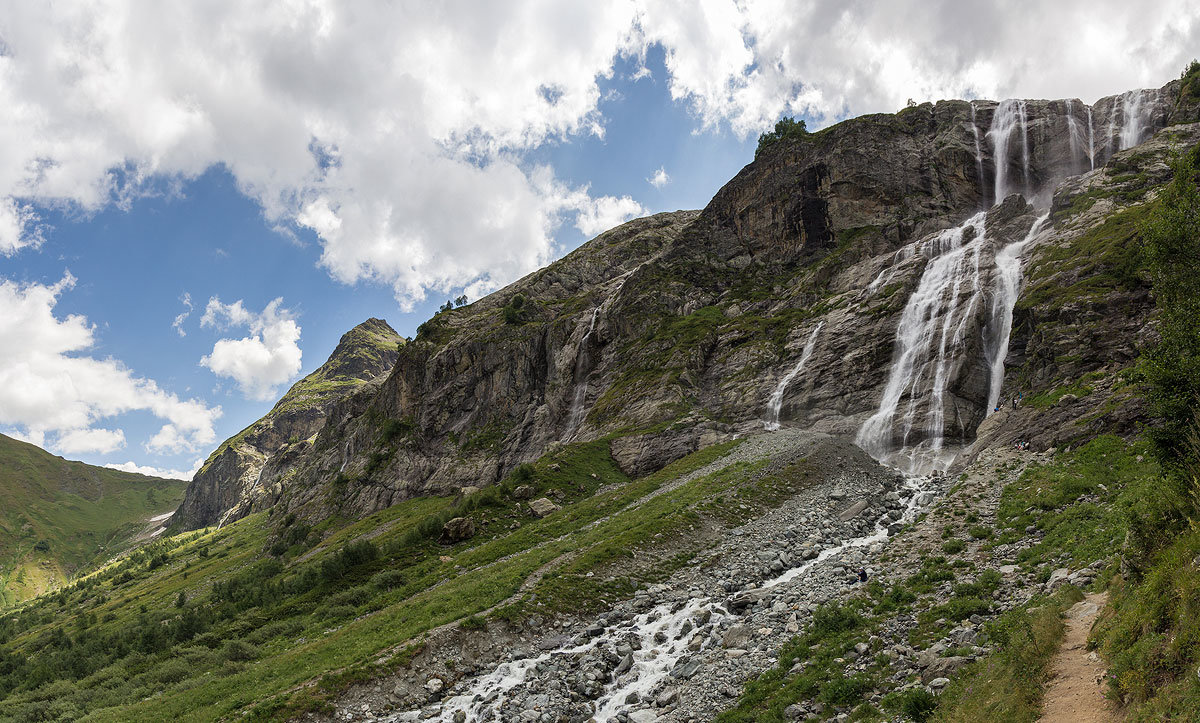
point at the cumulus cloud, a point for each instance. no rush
(79, 441)
(49, 386)
(398, 132)
(659, 178)
(158, 471)
(183, 315)
(262, 361)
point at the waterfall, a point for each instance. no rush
(930, 337)
(1091, 141)
(999, 328)
(775, 403)
(1074, 136)
(1009, 115)
(581, 362)
(978, 157)
(1131, 121)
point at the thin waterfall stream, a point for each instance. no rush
(775, 403)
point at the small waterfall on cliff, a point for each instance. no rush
(581, 362)
(1091, 141)
(931, 335)
(999, 329)
(978, 158)
(775, 403)
(1074, 137)
(1010, 115)
(1131, 118)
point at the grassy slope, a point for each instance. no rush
(252, 633)
(58, 516)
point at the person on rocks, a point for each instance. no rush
(862, 574)
(1014, 402)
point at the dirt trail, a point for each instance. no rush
(1075, 693)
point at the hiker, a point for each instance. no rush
(1014, 402)
(862, 574)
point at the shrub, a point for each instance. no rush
(238, 651)
(834, 618)
(953, 547)
(916, 704)
(844, 691)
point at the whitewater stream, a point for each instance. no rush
(663, 634)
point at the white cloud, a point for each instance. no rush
(397, 132)
(183, 315)
(80, 441)
(261, 362)
(659, 178)
(48, 385)
(157, 471)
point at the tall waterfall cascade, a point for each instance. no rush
(907, 430)
(998, 332)
(970, 283)
(775, 403)
(1010, 116)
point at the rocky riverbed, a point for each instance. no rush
(683, 650)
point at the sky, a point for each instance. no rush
(196, 201)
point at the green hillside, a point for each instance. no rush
(58, 516)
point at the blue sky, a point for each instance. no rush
(196, 202)
(204, 238)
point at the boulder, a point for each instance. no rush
(522, 492)
(1058, 578)
(457, 530)
(943, 668)
(737, 637)
(852, 511)
(542, 507)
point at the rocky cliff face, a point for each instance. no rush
(673, 331)
(256, 461)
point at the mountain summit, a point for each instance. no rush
(246, 468)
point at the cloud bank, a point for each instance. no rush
(398, 131)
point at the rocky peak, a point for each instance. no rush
(247, 467)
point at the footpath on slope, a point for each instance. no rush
(1075, 693)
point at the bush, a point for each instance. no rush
(238, 651)
(844, 691)
(833, 618)
(514, 310)
(916, 704)
(388, 580)
(953, 547)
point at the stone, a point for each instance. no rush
(937, 684)
(522, 492)
(435, 686)
(643, 716)
(943, 667)
(457, 530)
(542, 507)
(666, 698)
(1058, 578)
(737, 636)
(852, 511)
